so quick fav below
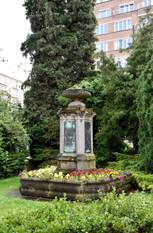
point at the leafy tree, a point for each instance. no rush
(13, 139)
(61, 48)
(113, 100)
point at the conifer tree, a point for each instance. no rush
(61, 48)
(145, 115)
(140, 66)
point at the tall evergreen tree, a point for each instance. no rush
(145, 97)
(145, 115)
(61, 48)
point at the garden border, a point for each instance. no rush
(34, 188)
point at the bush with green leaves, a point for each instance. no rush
(134, 164)
(126, 162)
(13, 139)
(120, 214)
(11, 163)
(144, 181)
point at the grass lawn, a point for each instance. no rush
(9, 203)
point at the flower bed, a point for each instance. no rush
(92, 174)
(49, 173)
(89, 184)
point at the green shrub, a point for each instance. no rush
(144, 181)
(126, 162)
(133, 163)
(46, 156)
(113, 214)
(11, 163)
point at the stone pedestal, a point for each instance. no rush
(76, 162)
(76, 134)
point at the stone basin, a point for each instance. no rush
(76, 94)
(33, 188)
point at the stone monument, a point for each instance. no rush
(76, 133)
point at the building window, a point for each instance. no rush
(121, 61)
(123, 25)
(148, 3)
(102, 29)
(126, 8)
(122, 43)
(2, 87)
(102, 46)
(104, 13)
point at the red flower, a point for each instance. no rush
(90, 172)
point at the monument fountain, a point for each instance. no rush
(76, 154)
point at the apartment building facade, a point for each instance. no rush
(117, 21)
(12, 87)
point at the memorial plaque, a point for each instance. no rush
(87, 137)
(70, 136)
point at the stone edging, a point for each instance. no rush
(47, 189)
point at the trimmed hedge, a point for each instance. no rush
(113, 214)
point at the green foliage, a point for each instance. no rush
(134, 164)
(11, 163)
(144, 181)
(125, 162)
(49, 156)
(121, 214)
(113, 100)
(145, 115)
(61, 48)
(139, 49)
(140, 66)
(117, 117)
(13, 139)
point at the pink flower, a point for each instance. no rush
(122, 178)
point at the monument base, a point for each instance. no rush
(76, 162)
